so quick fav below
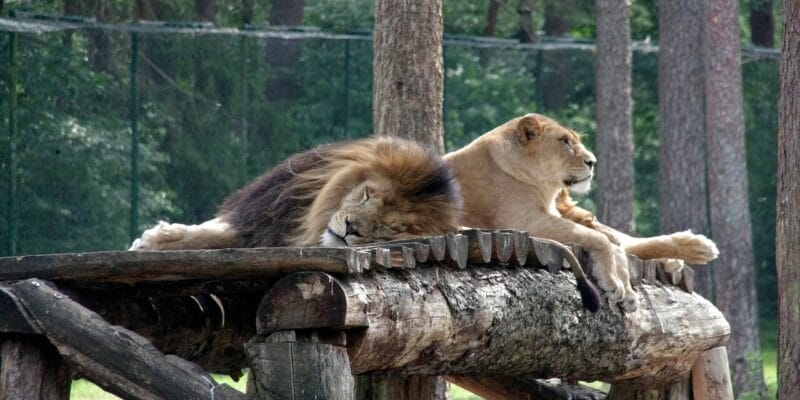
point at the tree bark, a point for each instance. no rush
(527, 32)
(734, 283)
(762, 25)
(788, 206)
(30, 368)
(283, 55)
(427, 321)
(614, 137)
(556, 85)
(682, 158)
(114, 357)
(491, 17)
(408, 80)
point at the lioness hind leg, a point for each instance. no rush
(212, 234)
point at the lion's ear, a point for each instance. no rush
(528, 128)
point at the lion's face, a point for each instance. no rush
(554, 154)
(375, 212)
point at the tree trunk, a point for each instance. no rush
(727, 184)
(682, 159)
(762, 25)
(205, 10)
(788, 207)
(556, 85)
(491, 17)
(527, 32)
(101, 49)
(408, 77)
(30, 368)
(408, 90)
(426, 321)
(614, 137)
(283, 55)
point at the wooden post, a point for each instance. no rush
(711, 377)
(677, 391)
(286, 365)
(30, 368)
(401, 388)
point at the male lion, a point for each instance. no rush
(348, 193)
(512, 176)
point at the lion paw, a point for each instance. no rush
(694, 248)
(156, 237)
(629, 303)
(672, 265)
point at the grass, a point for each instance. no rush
(85, 390)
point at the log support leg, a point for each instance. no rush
(31, 368)
(299, 365)
(711, 378)
(401, 388)
(677, 391)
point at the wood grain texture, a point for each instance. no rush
(114, 357)
(285, 366)
(30, 368)
(711, 377)
(470, 322)
(521, 388)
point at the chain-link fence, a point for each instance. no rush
(108, 128)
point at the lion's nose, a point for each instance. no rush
(590, 163)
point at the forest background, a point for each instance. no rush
(214, 110)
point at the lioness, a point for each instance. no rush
(342, 194)
(512, 176)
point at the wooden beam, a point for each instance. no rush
(470, 322)
(30, 368)
(413, 387)
(284, 365)
(136, 266)
(307, 300)
(117, 359)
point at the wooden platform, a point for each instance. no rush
(455, 304)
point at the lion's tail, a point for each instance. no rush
(590, 296)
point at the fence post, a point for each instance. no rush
(11, 156)
(134, 119)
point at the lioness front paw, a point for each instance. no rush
(630, 302)
(155, 237)
(694, 248)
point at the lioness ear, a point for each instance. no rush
(528, 128)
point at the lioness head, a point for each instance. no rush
(543, 151)
(394, 191)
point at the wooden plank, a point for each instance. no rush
(502, 246)
(422, 252)
(546, 255)
(457, 251)
(138, 266)
(520, 240)
(114, 357)
(438, 247)
(687, 279)
(711, 378)
(288, 366)
(310, 300)
(31, 368)
(480, 245)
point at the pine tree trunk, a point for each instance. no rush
(762, 25)
(556, 85)
(614, 138)
(682, 170)
(283, 55)
(788, 207)
(408, 80)
(408, 90)
(527, 33)
(734, 283)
